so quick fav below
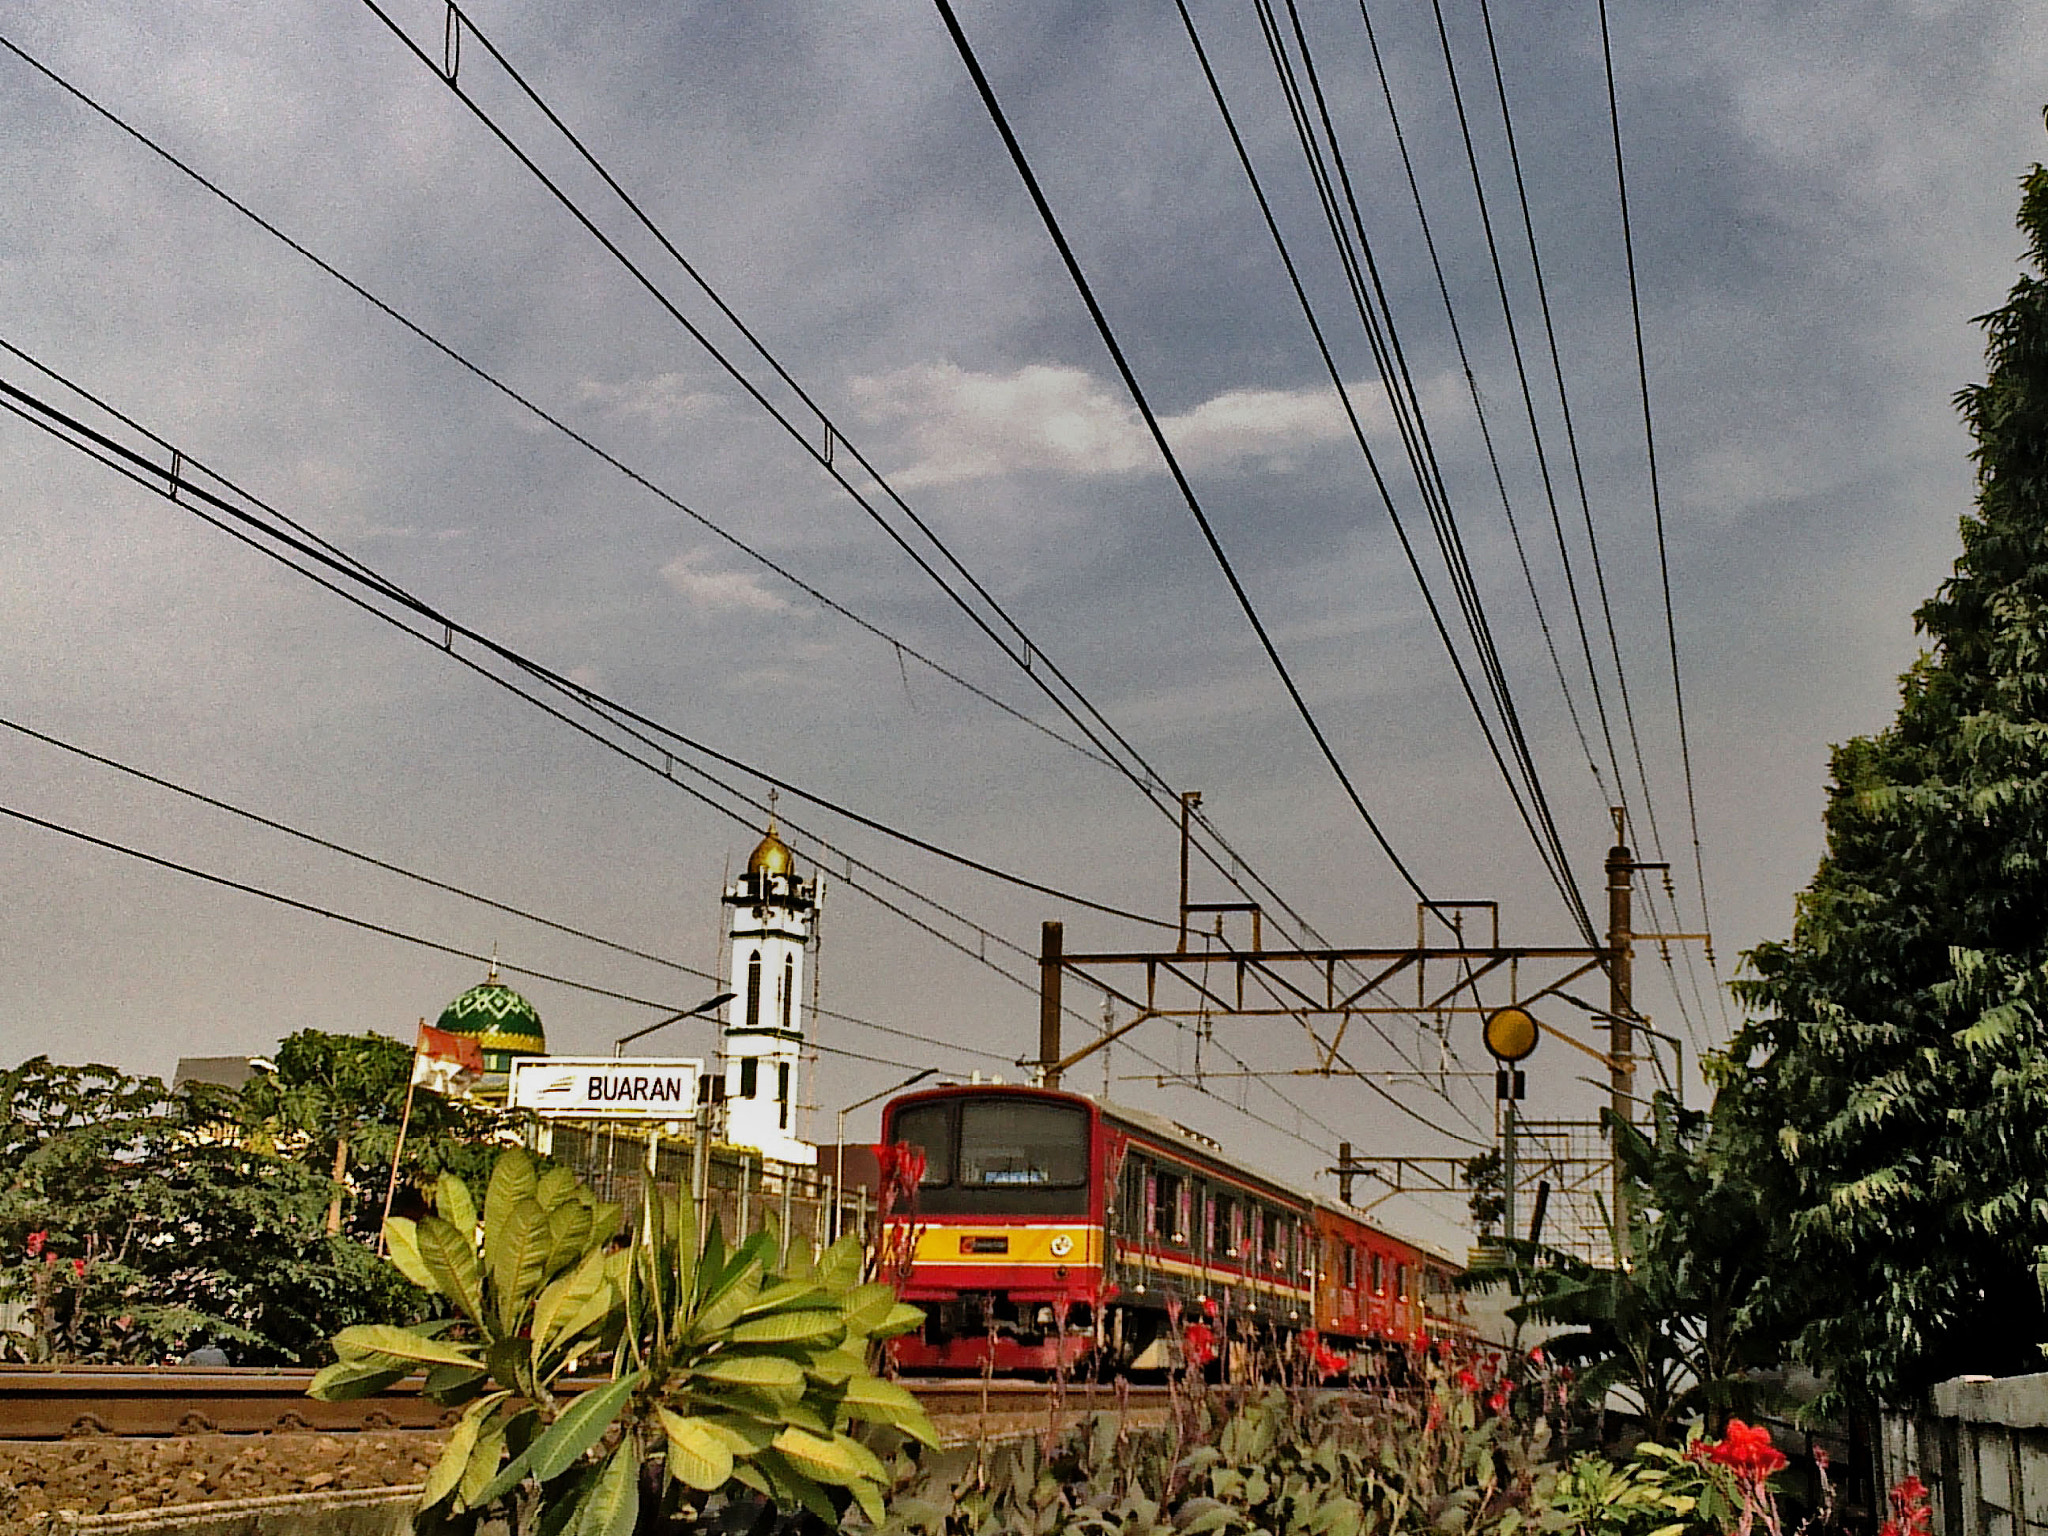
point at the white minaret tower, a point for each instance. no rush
(772, 913)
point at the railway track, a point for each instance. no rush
(39, 1403)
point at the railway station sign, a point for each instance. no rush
(607, 1087)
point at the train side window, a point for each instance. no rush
(1237, 1229)
(1272, 1238)
(1184, 1214)
(1379, 1274)
(1166, 1189)
(1132, 1214)
(1401, 1281)
(1350, 1266)
(1220, 1219)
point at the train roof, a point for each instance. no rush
(1173, 1130)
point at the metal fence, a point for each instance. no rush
(735, 1186)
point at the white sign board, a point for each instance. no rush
(606, 1087)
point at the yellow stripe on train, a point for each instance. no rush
(1055, 1243)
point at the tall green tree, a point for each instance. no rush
(136, 1223)
(333, 1103)
(1677, 1330)
(1891, 1097)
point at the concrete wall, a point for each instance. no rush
(1982, 1451)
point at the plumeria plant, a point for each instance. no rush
(728, 1371)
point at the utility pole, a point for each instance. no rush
(1189, 799)
(1051, 944)
(1621, 868)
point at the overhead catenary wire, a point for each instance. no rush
(1565, 415)
(901, 647)
(1022, 650)
(1479, 414)
(1526, 388)
(1155, 779)
(1151, 420)
(295, 537)
(1147, 779)
(439, 633)
(450, 888)
(1404, 401)
(384, 930)
(1635, 306)
(237, 523)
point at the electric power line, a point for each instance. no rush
(1151, 420)
(1149, 782)
(900, 646)
(257, 818)
(1635, 306)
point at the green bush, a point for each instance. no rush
(728, 1372)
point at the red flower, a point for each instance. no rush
(1499, 1400)
(1329, 1362)
(1209, 1305)
(1536, 1355)
(78, 1268)
(1746, 1450)
(1911, 1513)
(1467, 1380)
(35, 1244)
(901, 1165)
(1198, 1343)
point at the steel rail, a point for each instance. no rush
(75, 1402)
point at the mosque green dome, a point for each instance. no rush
(498, 1019)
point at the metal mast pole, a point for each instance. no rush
(1051, 943)
(1621, 1008)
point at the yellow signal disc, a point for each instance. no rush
(1511, 1033)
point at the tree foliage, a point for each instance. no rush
(1678, 1329)
(729, 1368)
(136, 1224)
(329, 1093)
(1890, 1100)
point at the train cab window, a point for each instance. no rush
(930, 1128)
(1010, 1142)
(1166, 1192)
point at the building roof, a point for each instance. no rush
(496, 1017)
(772, 856)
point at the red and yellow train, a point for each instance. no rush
(1054, 1231)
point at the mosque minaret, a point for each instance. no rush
(773, 915)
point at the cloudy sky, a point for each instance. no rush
(1823, 199)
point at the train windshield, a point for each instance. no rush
(928, 1127)
(1015, 1143)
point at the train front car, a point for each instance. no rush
(1006, 1236)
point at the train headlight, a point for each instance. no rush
(1062, 1245)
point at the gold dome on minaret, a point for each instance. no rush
(772, 857)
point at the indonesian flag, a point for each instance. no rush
(445, 1063)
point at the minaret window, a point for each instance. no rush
(788, 987)
(750, 1076)
(782, 1093)
(754, 991)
